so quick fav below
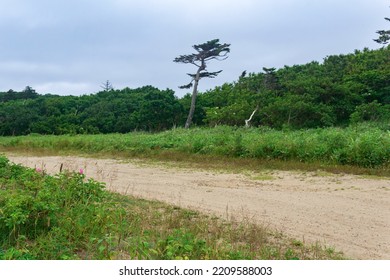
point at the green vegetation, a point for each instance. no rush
(334, 93)
(146, 108)
(340, 91)
(333, 114)
(69, 217)
(362, 146)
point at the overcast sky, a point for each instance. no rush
(73, 46)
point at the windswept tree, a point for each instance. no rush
(204, 53)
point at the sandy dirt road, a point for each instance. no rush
(350, 213)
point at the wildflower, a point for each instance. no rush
(81, 171)
(38, 170)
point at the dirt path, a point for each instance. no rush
(351, 213)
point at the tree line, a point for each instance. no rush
(341, 90)
(108, 111)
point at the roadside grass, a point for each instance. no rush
(356, 150)
(67, 216)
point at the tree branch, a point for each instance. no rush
(247, 122)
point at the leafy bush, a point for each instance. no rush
(32, 203)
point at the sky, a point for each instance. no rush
(71, 47)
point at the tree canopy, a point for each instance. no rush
(146, 108)
(306, 96)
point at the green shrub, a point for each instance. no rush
(32, 204)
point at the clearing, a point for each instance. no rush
(349, 213)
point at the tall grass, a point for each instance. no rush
(362, 146)
(68, 217)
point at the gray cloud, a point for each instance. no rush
(71, 47)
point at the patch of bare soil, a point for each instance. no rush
(350, 213)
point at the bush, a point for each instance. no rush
(32, 204)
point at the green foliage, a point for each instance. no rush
(182, 245)
(363, 145)
(371, 112)
(305, 96)
(27, 93)
(34, 205)
(146, 108)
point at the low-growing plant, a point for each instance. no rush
(182, 245)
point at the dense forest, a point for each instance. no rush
(341, 90)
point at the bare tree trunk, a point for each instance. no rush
(248, 121)
(194, 95)
(193, 102)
